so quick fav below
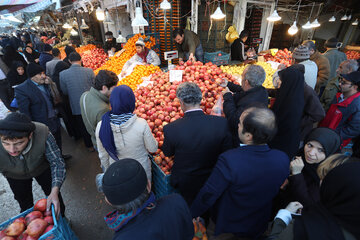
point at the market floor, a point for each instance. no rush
(85, 207)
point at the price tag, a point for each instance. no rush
(176, 75)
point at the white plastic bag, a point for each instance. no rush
(217, 109)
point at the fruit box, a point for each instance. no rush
(218, 58)
(161, 181)
(60, 231)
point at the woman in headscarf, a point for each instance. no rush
(304, 182)
(31, 55)
(121, 134)
(17, 74)
(336, 217)
(11, 55)
(288, 109)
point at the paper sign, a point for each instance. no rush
(176, 75)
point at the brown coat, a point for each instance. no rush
(323, 69)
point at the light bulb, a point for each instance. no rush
(344, 18)
(100, 14)
(355, 23)
(315, 24)
(67, 26)
(139, 20)
(274, 17)
(83, 24)
(165, 5)
(218, 14)
(293, 29)
(332, 19)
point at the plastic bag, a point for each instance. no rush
(199, 230)
(217, 109)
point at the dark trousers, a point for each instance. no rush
(6, 93)
(22, 190)
(84, 133)
(57, 136)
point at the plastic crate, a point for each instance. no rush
(214, 57)
(60, 231)
(161, 181)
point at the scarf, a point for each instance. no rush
(116, 220)
(122, 101)
(143, 55)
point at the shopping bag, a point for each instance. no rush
(217, 109)
(199, 231)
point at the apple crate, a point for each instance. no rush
(218, 58)
(161, 181)
(60, 231)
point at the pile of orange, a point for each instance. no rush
(62, 53)
(116, 64)
(135, 78)
(85, 48)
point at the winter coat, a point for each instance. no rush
(311, 71)
(93, 106)
(44, 58)
(189, 45)
(323, 69)
(335, 57)
(331, 89)
(133, 139)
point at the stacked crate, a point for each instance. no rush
(253, 25)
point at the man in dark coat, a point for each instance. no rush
(110, 43)
(196, 140)
(250, 93)
(245, 180)
(45, 56)
(138, 214)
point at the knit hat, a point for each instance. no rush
(47, 48)
(353, 77)
(333, 43)
(33, 69)
(328, 138)
(140, 41)
(18, 122)
(301, 53)
(124, 181)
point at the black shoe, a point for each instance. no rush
(66, 156)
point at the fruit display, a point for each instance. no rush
(158, 105)
(238, 70)
(135, 78)
(94, 58)
(282, 56)
(352, 55)
(116, 63)
(85, 48)
(32, 226)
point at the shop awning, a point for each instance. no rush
(33, 7)
(18, 2)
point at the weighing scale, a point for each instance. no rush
(169, 56)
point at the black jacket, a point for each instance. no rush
(169, 219)
(238, 51)
(235, 104)
(196, 141)
(111, 44)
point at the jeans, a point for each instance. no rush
(199, 54)
(22, 189)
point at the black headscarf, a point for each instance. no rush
(13, 76)
(11, 55)
(59, 67)
(339, 207)
(288, 109)
(31, 57)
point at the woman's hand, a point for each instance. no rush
(296, 165)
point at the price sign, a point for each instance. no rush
(176, 75)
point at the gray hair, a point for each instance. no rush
(255, 75)
(351, 65)
(134, 204)
(189, 93)
(310, 44)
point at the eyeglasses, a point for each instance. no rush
(342, 82)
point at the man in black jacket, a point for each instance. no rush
(250, 93)
(196, 141)
(110, 43)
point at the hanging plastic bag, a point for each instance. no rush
(199, 230)
(217, 109)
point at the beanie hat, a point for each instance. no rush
(301, 53)
(328, 138)
(140, 41)
(353, 77)
(33, 69)
(18, 122)
(124, 181)
(333, 43)
(47, 48)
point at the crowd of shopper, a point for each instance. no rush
(234, 172)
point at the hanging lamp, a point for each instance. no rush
(274, 16)
(332, 19)
(165, 5)
(355, 23)
(83, 24)
(308, 24)
(294, 29)
(67, 25)
(108, 19)
(218, 14)
(139, 20)
(100, 14)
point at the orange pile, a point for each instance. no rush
(62, 52)
(135, 78)
(85, 48)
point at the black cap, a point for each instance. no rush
(32, 69)
(124, 181)
(332, 43)
(353, 77)
(18, 122)
(47, 48)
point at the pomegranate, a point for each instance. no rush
(40, 205)
(15, 229)
(36, 227)
(33, 215)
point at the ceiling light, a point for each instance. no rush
(307, 25)
(73, 32)
(67, 26)
(139, 20)
(165, 5)
(332, 19)
(274, 17)
(100, 14)
(218, 14)
(355, 23)
(293, 29)
(108, 19)
(344, 18)
(349, 17)
(58, 23)
(83, 24)
(315, 24)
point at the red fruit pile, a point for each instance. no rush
(35, 224)
(282, 56)
(94, 58)
(158, 105)
(352, 55)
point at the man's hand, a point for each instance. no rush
(191, 57)
(294, 207)
(53, 198)
(113, 49)
(37, 60)
(296, 165)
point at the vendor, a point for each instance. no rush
(87, 38)
(143, 56)
(188, 45)
(110, 43)
(238, 47)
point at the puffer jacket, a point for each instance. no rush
(133, 139)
